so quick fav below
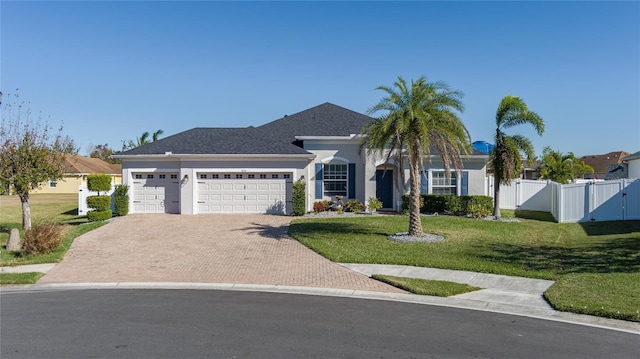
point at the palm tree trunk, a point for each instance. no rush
(496, 198)
(415, 221)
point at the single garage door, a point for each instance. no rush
(156, 193)
(244, 192)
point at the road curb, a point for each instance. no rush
(544, 314)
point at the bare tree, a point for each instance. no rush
(31, 152)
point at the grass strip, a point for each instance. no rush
(20, 278)
(612, 295)
(438, 288)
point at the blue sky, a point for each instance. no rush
(112, 70)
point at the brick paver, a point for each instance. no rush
(244, 249)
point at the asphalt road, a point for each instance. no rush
(130, 323)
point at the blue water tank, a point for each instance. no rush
(482, 146)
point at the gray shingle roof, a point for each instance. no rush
(272, 138)
(323, 120)
(201, 140)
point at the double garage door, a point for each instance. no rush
(244, 192)
(156, 193)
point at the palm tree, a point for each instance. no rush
(417, 119)
(506, 154)
(156, 134)
(142, 140)
(562, 168)
(555, 166)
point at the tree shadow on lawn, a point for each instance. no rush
(338, 228)
(620, 255)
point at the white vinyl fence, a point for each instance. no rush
(613, 200)
(83, 193)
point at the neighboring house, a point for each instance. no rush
(607, 166)
(76, 169)
(251, 170)
(633, 165)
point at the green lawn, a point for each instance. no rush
(58, 208)
(607, 253)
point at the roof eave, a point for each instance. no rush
(274, 156)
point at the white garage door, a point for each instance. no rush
(244, 193)
(156, 193)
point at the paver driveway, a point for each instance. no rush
(245, 249)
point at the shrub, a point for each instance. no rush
(94, 216)
(42, 238)
(479, 206)
(435, 203)
(452, 204)
(320, 206)
(99, 203)
(121, 200)
(476, 206)
(354, 206)
(299, 198)
(99, 183)
(374, 204)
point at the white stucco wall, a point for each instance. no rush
(633, 168)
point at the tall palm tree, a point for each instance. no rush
(506, 154)
(418, 118)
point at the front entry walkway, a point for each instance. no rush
(241, 249)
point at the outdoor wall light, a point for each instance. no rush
(185, 179)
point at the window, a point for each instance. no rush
(162, 176)
(215, 176)
(439, 183)
(53, 183)
(335, 180)
(203, 176)
(275, 175)
(227, 176)
(174, 176)
(238, 176)
(252, 176)
(138, 176)
(150, 176)
(287, 175)
(263, 176)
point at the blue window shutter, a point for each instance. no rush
(465, 183)
(351, 174)
(424, 182)
(318, 180)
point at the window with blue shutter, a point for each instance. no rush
(351, 176)
(424, 182)
(464, 186)
(319, 180)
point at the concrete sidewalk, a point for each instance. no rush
(497, 289)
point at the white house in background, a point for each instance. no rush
(633, 165)
(251, 170)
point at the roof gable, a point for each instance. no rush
(633, 156)
(323, 120)
(601, 163)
